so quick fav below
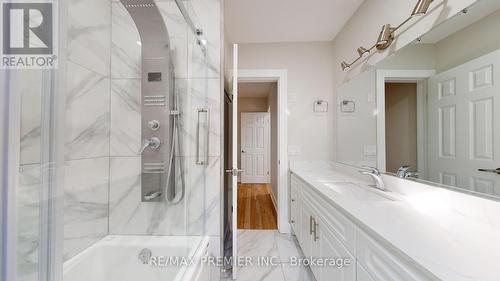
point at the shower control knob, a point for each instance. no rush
(154, 125)
(153, 143)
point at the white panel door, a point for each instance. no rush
(255, 147)
(234, 161)
(464, 125)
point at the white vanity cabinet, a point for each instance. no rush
(324, 231)
(295, 219)
(319, 241)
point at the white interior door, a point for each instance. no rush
(464, 127)
(234, 160)
(255, 147)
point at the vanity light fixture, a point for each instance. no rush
(421, 8)
(345, 66)
(386, 36)
(363, 52)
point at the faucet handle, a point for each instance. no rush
(371, 169)
(145, 144)
(153, 142)
(404, 168)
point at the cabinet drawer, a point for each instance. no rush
(340, 225)
(383, 264)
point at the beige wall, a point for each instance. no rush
(364, 26)
(310, 73)
(469, 43)
(400, 125)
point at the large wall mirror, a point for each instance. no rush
(433, 106)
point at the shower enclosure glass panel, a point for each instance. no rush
(34, 200)
(75, 132)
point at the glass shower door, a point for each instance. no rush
(31, 158)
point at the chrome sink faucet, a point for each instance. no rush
(404, 172)
(374, 173)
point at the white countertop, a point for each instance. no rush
(454, 236)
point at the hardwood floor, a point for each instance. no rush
(255, 207)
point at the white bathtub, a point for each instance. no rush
(116, 258)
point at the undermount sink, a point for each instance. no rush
(357, 192)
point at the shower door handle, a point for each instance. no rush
(202, 140)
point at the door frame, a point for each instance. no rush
(10, 122)
(410, 76)
(280, 76)
(267, 141)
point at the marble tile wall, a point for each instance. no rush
(197, 85)
(88, 123)
(28, 221)
(102, 182)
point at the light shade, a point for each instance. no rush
(345, 66)
(385, 37)
(421, 8)
(363, 52)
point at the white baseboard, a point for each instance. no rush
(270, 190)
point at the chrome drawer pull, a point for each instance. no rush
(311, 225)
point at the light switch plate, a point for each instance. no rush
(369, 150)
(294, 150)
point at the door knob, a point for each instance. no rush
(235, 171)
(496, 171)
(243, 151)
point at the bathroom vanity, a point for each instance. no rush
(411, 232)
(426, 117)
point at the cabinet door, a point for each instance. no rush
(384, 264)
(328, 245)
(362, 274)
(295, 210)
(305, 233)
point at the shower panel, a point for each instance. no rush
(158, 104)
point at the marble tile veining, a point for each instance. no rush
(87, 114)
(125, 117)
(203, 196)
(269, 243)
(128, 215)
(126, 47)
(89, 34)
(85, 203)
(31, 113)
(194, 94)
(28, 200)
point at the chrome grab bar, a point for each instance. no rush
(316, 237)
(202, 159)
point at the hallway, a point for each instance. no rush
(255, 207)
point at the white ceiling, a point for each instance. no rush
(254, 89)
(266, 21)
